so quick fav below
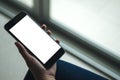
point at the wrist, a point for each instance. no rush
(46, 77)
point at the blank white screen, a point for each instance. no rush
(35, 39)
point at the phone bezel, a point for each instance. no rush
(15, 20)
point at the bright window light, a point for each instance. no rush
(29, 3)
(97, 20)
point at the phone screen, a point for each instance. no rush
(35, 39)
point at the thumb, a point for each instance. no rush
(23, 51)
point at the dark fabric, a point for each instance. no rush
(29, 76)
(67, 71)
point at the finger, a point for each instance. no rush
(44, 27)
(57, 41)
(23, 51)
(29, 59)
(49, 32)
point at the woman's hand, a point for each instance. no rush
(39, 72)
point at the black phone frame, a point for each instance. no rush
(14, 21)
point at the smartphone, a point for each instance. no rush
(34, 39)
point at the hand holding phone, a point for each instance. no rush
(34, 39)
(34, 64)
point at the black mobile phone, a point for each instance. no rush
(34, 39)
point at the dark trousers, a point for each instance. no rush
(67, 71)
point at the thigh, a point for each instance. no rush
(67, 71)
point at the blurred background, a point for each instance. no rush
(89, 31)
